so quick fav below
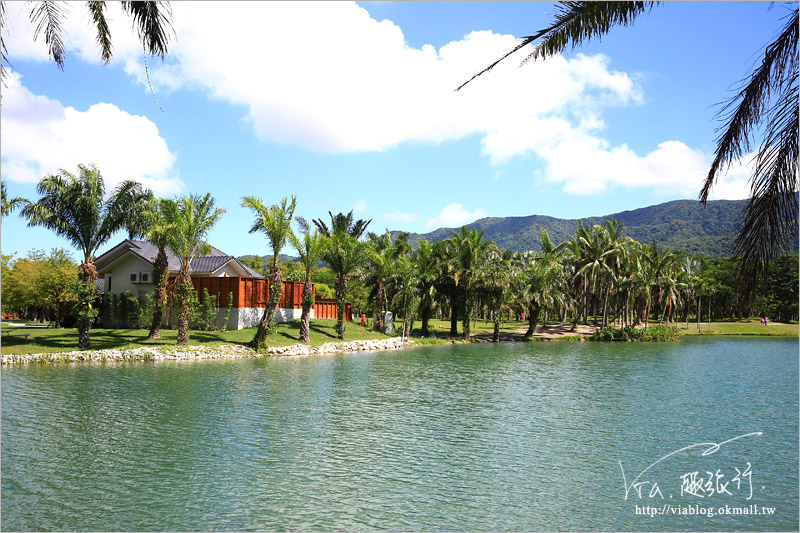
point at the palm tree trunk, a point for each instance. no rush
(379, 303)
(496, 331)
(87, 274)
(341, 294)
(160, 278)
(426, 316)
(184, 289)
(453, 318)
(305, 317)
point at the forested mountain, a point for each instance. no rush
(685, 225)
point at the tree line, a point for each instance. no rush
(598, 276)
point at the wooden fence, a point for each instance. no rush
(250, 292)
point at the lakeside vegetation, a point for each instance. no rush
(599, 276)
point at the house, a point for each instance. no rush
(128, 266)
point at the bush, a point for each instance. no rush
(653, 333)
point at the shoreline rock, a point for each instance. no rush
(200, 352)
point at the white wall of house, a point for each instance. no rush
(248, 317)
(120, 276)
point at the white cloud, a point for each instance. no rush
(40, 137)
(360, 206)
(328, 77)
(401, 216)
(454, 215)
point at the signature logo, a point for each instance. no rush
(695, 483)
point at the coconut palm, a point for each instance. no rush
(75, 207)
(189, 220)
(496, 288)
(276, 223)
(767, 102)
(310, 249)
(535, 284)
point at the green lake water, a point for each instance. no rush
(527, 436)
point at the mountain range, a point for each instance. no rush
(685, 225)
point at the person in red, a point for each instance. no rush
(364, 319)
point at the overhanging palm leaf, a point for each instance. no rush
(48, 17)
(769, 96)
(575, 22)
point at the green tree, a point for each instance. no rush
(159, 230)
(344, 254)
(276, 223)
(471, 253)
(56, 282)
(427, 272)
(310, 249)
(766, 103)
(76, 208)
(189, 220)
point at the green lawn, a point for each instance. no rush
(43, 340)
(750, 326)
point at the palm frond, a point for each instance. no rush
(749, 106)
(575, 22)
(152, 23)
(48, 17)
(96, 10)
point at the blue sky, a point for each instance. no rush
(351, 106)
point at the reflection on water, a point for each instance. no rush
(489, 437)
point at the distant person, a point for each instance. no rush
(364, 319)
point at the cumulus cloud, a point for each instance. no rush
(401, 216)
(454, 215)
(40, 137)
(331, 79)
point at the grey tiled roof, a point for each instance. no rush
(206, 263)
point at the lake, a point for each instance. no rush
(526, 436)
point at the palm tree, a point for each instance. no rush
(767, 102)
(344, 254)
(380, 268)
(158, 232)
(276, 223)
(497, 287)
(536, 281)
(427, 273)
(189, 220)
(406, 296)
(151, 20)
(9, 205)
(75, 207)
(310, 250)
(471, 253)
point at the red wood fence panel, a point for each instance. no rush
(251, 292)
(326, 308)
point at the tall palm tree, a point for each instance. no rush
(189, 219)
(497, 287)
(425, 260)
(310, 250)
(471, 253)
(536, 283)
(406, 296)
(345, 255)
(276, 223)
(75, 207)
(379, 269)
(767, 102)
(158, 230)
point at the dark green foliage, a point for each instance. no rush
(655, 333)
(684, 225)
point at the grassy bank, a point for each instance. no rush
(43, 340)
(751, 327)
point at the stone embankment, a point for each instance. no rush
(186, 353)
